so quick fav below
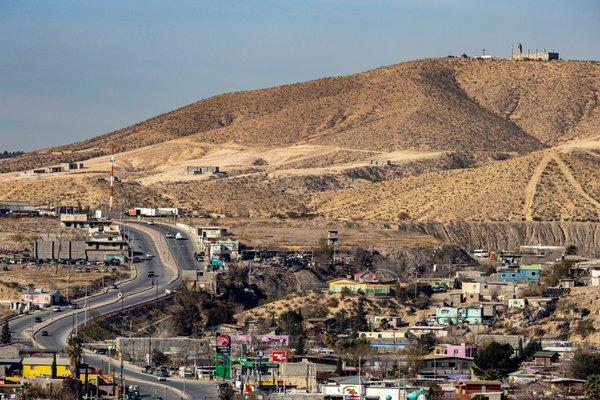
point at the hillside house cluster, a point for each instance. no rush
(66, 166)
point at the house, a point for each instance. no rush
(41, 367)
(368, 288)
(418, 331)
(595, 277)
(567, 386)
(517, 303)
(544, 358)
(461, 350)
(491, 390)
(367, 276)
(210, 234)
(459, 315)
(518, 275)
(389, 345)
(201, 170)
(301, 375)
(440, 366)
(384, 321)
(354, 387)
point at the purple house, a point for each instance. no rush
(461, 350)
(370, 277)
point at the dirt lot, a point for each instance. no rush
(18, 233)
(308, 233)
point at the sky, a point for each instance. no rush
(71, 70)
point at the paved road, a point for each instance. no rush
(137, 291)
(183, 250)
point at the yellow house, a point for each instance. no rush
(41, 367)
(371, 288)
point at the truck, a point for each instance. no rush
(186, 372)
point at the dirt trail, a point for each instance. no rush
(566, 171)
(531, 187)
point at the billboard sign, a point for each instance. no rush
(280, 356)
(223, 343)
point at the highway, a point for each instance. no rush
(138, 290)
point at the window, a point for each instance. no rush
(452, 364)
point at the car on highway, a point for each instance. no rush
(45, 333)
(149, 255)
(38, 319)
(179, 236)
(56, 309)
(161, 378)
(114, 287)
(150, 222)
(169, 235)
(73, 306)
(150, 274)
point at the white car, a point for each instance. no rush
(150, 222)
(161, 378)
(149, 255)
(169, 235)
(56, 308)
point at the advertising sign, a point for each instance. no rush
(223, 366)
(280, 356)
(223, 343)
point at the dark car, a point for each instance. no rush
(44, 333)
(150, 274)
(38, 319)
(73, 306)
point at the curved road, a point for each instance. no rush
(129, 293)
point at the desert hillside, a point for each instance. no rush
(448, 139)
(449, 104)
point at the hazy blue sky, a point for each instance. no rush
(70, 70)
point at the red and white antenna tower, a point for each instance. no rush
(111, 189)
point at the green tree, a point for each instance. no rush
(426, 342)
(532, 347)
(585, 364)
(496, 359)
(6, 336)
(299, 346)
(292, 323)
(435, 392)
(385, 324)
(226, 392)
(360, 320)
(592, 387)
(159, 358)
(74, 352)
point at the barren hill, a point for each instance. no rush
(449, 104)
(447, 139)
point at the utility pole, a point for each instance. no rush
(111, 189)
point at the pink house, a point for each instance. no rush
(368, 276)
(461, 350)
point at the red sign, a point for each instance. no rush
(223, 340)
(280, 356)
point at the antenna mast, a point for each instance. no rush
(111, 189)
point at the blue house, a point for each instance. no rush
(459, 315)
(519, 275)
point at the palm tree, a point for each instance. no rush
(74, 352)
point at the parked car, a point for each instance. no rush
(149, 255)
(56, 309)
(73, 306)
(150, 222)
(150, 274)
(169, 235)
(38, 320)
(161, 378)
(45, 333)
